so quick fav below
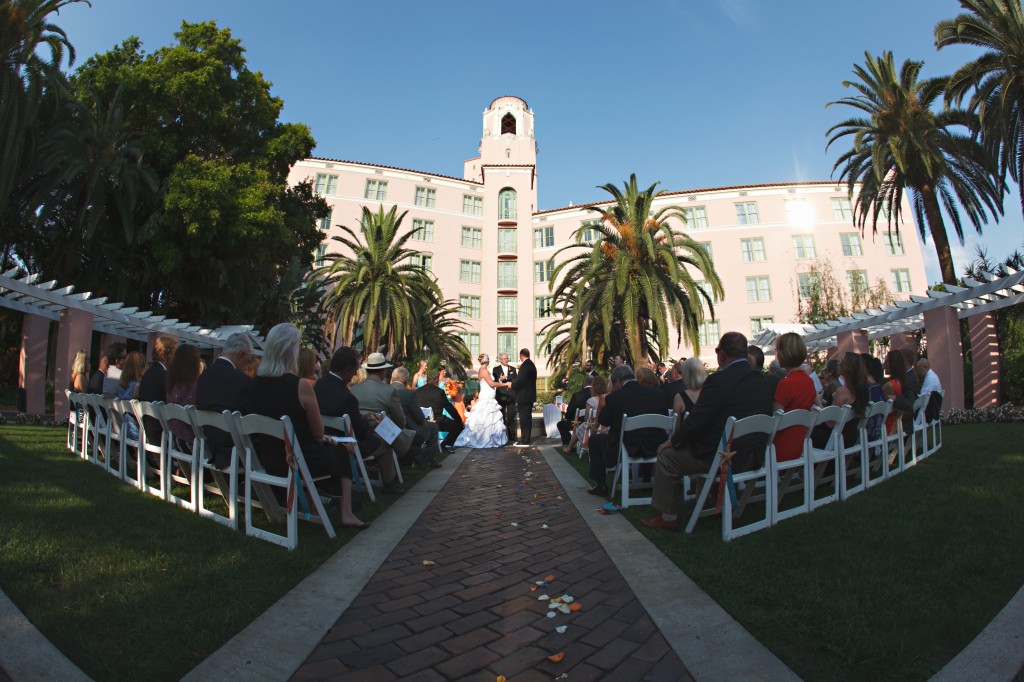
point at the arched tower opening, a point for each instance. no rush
(508, 124)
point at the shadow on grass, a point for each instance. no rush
(126, 585)
(887, 585)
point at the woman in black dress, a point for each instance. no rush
(276, 391)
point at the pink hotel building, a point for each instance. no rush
(493, 250)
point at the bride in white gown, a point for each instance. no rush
(485, 425)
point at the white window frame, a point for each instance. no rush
(425, 196)
(472, 237)
(422, 230)
(761, 291)
(710, 333)
(470, 271)
(472, 342)
(544, 236)
(325, 222)
(508, 274)
(696, 217)
(753, 250)
(423, 260)
(472, 205)
(325, 184)
(901, 285)
(542, 304)
(376, 190)
(507, 237)
(758, 323)
(894, 243)
(803, 247)
(542, 270)
(469, 306)
(841, 209)
(746, 213)
(851, 244)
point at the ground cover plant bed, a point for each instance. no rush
(888, 585)
(126, 585)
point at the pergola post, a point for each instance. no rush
(985, 359)
(901, 340)
(852, 342)
(35, 334)
(942, 330)
(74, 333)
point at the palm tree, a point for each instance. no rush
(32, 50)
(903, 144)
(995, 79)
(375, 285)
(633, 283)
(438, 330)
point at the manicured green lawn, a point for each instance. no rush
(888, 585)
(126, 585)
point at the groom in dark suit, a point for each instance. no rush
(506, 397)
(525, 387)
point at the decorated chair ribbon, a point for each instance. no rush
(294, 483)
(725, 474)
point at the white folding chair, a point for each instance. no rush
(181, 456)
(225, 480)
(918, 432)
(760, 424)
(76, 418)
(628, 467)
(820, 458)
(296, 483)
(580, 419)
(129, 474)
(935, 424)
(784, 474)
(874, 448)
(852, 459)
(158, 450)
(343, 425)
(96, 429)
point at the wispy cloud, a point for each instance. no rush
(738, 11)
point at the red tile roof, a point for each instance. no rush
(407, 170)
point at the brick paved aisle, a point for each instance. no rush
(472, 615)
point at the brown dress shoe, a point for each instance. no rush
(661, 522)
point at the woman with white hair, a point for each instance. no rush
(276, 391)
(694, 375)
(485, 425)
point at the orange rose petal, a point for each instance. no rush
(575, 606)
(549, 579)
(501, 678)
(557, 658)
(533, 589)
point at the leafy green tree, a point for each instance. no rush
(904, 144)
(995, 80)
(629, 288)
(829, 299)
(1009, 323)
(374, 287)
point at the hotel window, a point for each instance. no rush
(798, 211)
(377, 190)
(506, 240)
(321, 255)
(422, 260)
(543, 349)
(710, 333)
(803, 246)
(507, 204)
(469, 306)
(543, 236)
(325, 222)
(893, 243)
(472, 205)
(753, 250)
(757, 324)
(422, 230)
(326, 184)
(696, 218)
(807, 283)
(857, 281)
(542, 270)
(507, 314)
(851, 244)
(705, 286)
(707, 249)
(542, 306)
(507, 344)
(472, 342)
(901, 281)
(587, 233)
(841, 209)
(469, 271)
(507, 275)
(472, 237)
(758, 289)
(746, 213)
(426, 196)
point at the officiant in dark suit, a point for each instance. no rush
(506, 397)
(525, 387)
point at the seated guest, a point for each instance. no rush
(627, 398)
(576, 403)
(929, 379)
(128, 388)
(426, 432)
(694, 374)
(795, 392)
(910, 387)
(117, 352)
(598, 390)
(645, 376)
(309, 365)
(377, 396)
(756, 357)
(445, 415)
(853, 391)
(96, 380)
(153, 385)
(182, 383)
(79, 372)
(276, 391)
(735, 390)
(335, 398)
(224, 386)
(829, 381)
(673, 385)
(893, 388)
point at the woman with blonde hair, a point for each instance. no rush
(309, 365)
(80, 372)
(276, 391)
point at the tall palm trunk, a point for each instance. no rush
(933, 214)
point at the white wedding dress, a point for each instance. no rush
(485, 426)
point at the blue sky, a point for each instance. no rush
(691, 93)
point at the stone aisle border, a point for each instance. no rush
(458, 599)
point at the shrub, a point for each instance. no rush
(991, 415)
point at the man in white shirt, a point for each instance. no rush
(929, 379)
